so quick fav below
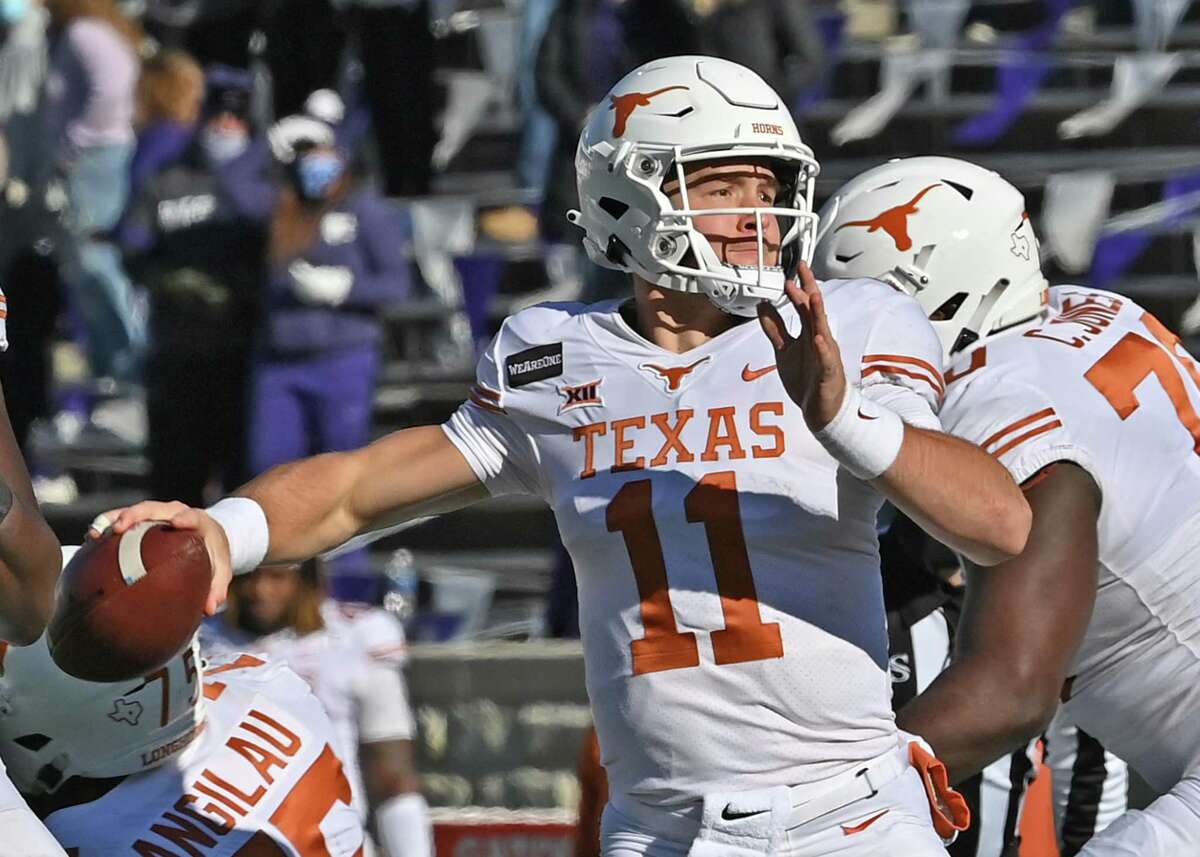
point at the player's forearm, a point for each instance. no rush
(30, 561)
(306, 504)
(959, 495)
(974, 713)
(318, 503)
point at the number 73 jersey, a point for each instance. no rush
(729, 591)
(1102, 384)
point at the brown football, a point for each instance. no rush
(127, 604)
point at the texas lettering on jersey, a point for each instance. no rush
(720, 551)
(626, 444)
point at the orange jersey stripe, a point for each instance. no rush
(242, 662)
(1019, 424)
(486, 393)
(896, 370)
(1021, 438)
(486, 405)
(908, 361)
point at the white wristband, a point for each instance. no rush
(864, 437)
(245, 525)
(403, 825)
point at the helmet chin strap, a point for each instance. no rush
(729, 298)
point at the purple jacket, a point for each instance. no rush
(365, 233)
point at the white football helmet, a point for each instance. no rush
(54, 727)
(659, 118)
(952, 234)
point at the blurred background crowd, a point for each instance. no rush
(237, 232)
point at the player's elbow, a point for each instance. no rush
(28, 610)
(28, 617)
(1007, 531)
(1030, 719)
(1032, 704)
(1013, 526)
(25, 631)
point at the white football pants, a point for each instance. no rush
(895, 821)
(1169, 827)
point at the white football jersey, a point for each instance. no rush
(353, 666)
(729, 590)
(263, 773)
(1103, 384)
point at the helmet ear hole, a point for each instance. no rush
(617, 250)
(949, 307)
(614, 208)
(34, 741)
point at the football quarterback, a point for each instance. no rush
(714, 476)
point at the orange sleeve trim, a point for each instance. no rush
(1019, 424)
(896, 370)
(485, 392)
(907, 361)
(475, 399)
(1020, 439)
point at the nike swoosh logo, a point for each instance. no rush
(730, 814)
(749, 374)
(863, 416)
(850, 258)
(859, 828)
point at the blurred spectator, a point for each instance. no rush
(23, 57)
(585, 48)
(537, 126)
(308, 29)
(93, 76)
(169, 96)
(352, 658)
(335, 256)
(203, 263)
(213, 31)
(397, 49)
(776, 38)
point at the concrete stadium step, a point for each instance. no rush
(1169, 119)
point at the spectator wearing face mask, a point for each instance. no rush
(202, 262)
(335, 256)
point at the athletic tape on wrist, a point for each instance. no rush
(404, 827)
(864, 437)
(245, 525)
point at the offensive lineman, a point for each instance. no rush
(351, 656)
(1090, 402)
(715, 486)
(235, 757)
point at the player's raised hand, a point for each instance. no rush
(181, 517)
(810, 364)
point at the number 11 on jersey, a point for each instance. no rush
(713, 503)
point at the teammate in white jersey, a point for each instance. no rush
(29, 565)
(351, 656)
(1090, 403)
(714, 478)
(232, 757)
